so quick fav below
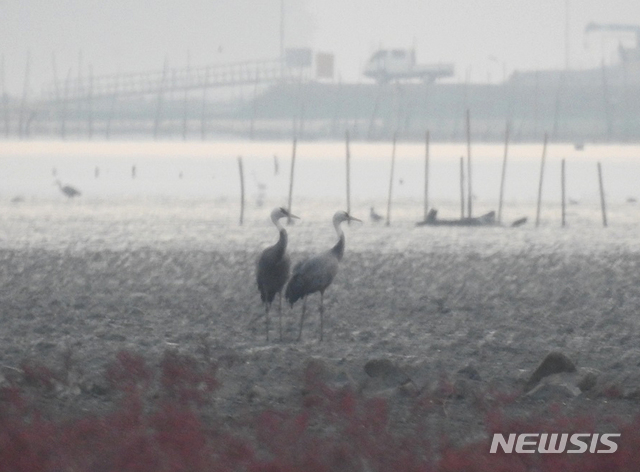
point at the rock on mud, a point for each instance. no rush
(554, 363)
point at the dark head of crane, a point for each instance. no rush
(273, 267)
(316, 273)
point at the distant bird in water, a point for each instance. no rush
(519, 222)
(276, 167)
(133, 172)
(68, 190)
(374, 216)
(273, 268)
(316, 273)
(96, 173)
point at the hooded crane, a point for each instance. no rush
(68, 190)
(316, 273)
(273, 268)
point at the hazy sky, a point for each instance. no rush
(480, 37)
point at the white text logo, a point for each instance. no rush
(554, 443)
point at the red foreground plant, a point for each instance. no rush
(164, 422)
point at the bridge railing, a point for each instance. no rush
(147, 83)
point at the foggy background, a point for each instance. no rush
(485, 40)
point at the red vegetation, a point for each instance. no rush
(165, 421)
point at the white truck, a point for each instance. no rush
(400, 64)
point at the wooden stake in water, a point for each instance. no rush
(603, 205)
(544, 154)
(469, 190)
(562, 182)
(504, 171)
(393, 162)
(426, 176)
(348, 173)
(241, 189)
(461, 187)
(293, 165)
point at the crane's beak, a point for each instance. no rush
(291, 215)
(351, 218)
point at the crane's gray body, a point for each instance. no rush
(314, 274)
(273, 269)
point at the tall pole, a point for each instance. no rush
(544, 153)
(603, 205)
(504, 171)
(469, 189)
(348, 172)
(293, 164)
(241, 189)
(563, 180)
(426, 176)
(461, 187)
(393, 162)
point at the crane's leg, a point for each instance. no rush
(280, 314)
(321, 314)
(304, 307)
(266, 312)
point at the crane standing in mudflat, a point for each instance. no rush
(316, 273)
(272, 271)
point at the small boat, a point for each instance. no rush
(488, 219)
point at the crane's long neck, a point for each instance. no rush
(338, 249)
(281, 245)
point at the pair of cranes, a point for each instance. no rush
(311, 275)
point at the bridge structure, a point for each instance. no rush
(157, 82)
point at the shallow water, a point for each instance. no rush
(201, 210)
